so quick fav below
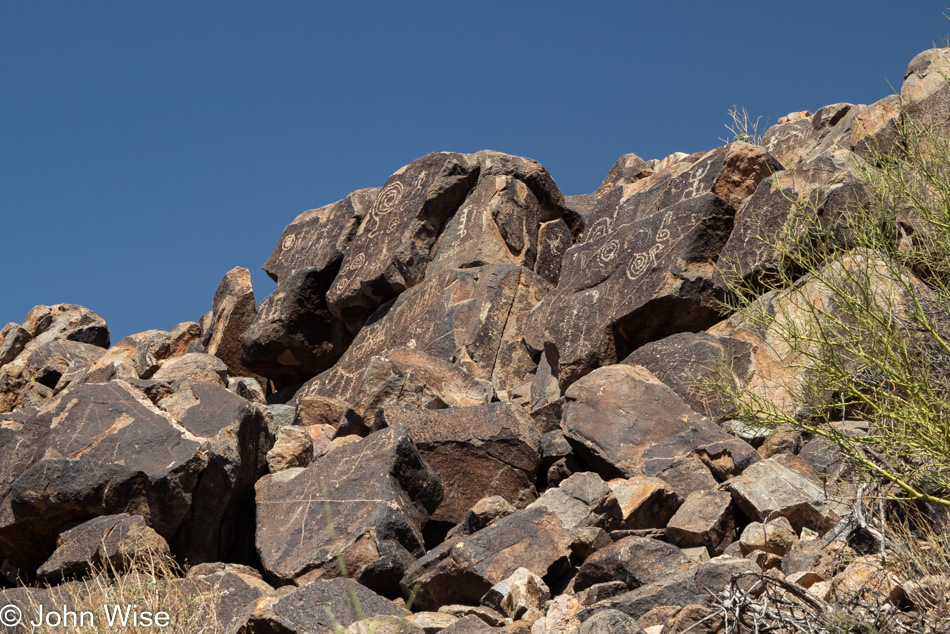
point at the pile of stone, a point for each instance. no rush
(476, 395)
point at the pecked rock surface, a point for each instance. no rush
(475, 392)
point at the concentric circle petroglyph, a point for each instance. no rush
(599, 229)
(389, 198)
(608, 252)
(289, 241)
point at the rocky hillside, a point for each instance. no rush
(467, 388)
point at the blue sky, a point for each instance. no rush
(148, 147)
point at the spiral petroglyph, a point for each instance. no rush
(599, 229)
(638, 264)
(389, 198)
(608, 252)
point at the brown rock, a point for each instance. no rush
(392, 246)
(770, 489)
(318, 238)
(517, 594)
(234, 309)
(925, 95)
(582, 500)
(379, 494)
(476, 452)
(469, 317)
(685, 360)
(109, 542)
(463, 571)
(704, 519)
(485, 511)
(294, 336)
(775, 537)
(293, 448)
(315, 606)
(624, 422)
(416, 379)
(195, 366)
(12, 340)
(645, 502)
(634, 560)
(799, 141)
(643, 281)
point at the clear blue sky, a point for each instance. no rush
(148, 147)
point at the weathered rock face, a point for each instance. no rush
(788, 208)
(635, 561)
(318, 238)
(462, 571)
(294, 336)
(477, 452)
(640, 282)
(624, 422)
(470, 317)
(234, 309)
(800, 140)
(391, 248)
(377, 492)
(684, 360)
(416, 379)
(99, 449)
(110, 541)
(141, 355)
(44, 325)
(730, 172)
(925, 94)
(315, 606)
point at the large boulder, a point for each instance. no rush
(644, 280)
(318, 238)
(140, 355)
(462, 570)
(799, 139)
(925, 93)
(470, 317)
(633, 191)
(99, 449)
(391, 248)
(294, 336)
(366, 501)
(233, 311)
(477, 452)
(624, 422)
(43, 325)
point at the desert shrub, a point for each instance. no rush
(858, 311)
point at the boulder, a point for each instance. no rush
(43, 325)
(292, 448)
(195, 366)
(471, 318)
(190, 478)
(56, 364)
(517, 594)
(391, 248)
(645, 502)
(377, 493)
(318, 606)
(925, 94)
(485, 511)
(635, 561)
(233, 590)
(477, 452)
(13, 338)
(730, 173)
(109, 542)
(704, 519)
(672, 589)
(807, 202)
(610, 622)
(293, 335)
(690, 362)
(642, 281)
(772, 488)
(582, 500)
(775, 537)
(416, 379)
(233, 311)
(318, 238)
(463, 570)
(624, 422)
(799, 140)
